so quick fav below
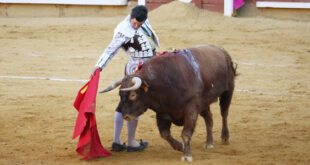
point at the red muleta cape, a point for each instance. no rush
(89, 145)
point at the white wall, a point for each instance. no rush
(69, 2)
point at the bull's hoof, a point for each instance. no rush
(187, 158)
(209, 146)
(225, 141)
(178, 146)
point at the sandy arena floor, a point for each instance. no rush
(269, 117)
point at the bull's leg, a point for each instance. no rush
(189, 126)
(207, 115)
(164, 129)
(225, 100)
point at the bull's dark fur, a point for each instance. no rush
(174, 92)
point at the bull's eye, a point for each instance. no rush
(132, 96)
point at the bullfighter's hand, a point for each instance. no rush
(93, 72)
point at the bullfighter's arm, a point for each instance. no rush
(118, 40)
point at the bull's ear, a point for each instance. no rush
(145, 86)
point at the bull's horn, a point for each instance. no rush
(136, 86)
(114, 85)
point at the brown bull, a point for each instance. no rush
(179, 86)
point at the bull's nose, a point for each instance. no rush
(126, 117)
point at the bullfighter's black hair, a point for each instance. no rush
(139, 13)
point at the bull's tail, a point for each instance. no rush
(230, 63)
(234, 67)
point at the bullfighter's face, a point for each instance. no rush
(135, 24)
(134, 102)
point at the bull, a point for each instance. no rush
(178, 86)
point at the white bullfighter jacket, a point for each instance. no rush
(138, 44)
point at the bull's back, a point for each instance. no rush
(210, 58)
(215, 68)
(179, 76)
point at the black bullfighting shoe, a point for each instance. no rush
(143, 145)
(118, 147)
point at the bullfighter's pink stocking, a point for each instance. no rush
(118, 126)
(131, 128)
